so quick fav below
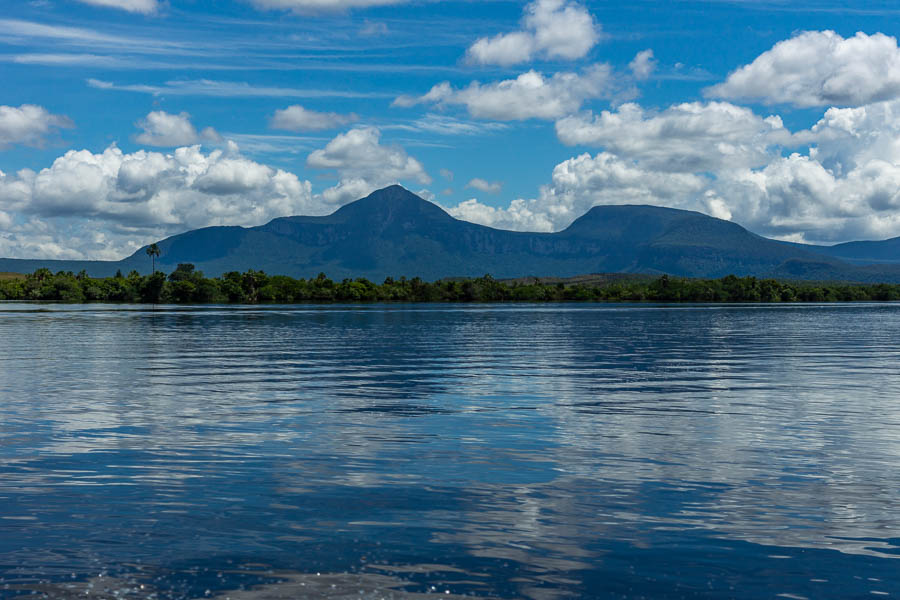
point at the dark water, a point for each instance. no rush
(396, 452)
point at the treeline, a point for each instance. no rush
(186, 285)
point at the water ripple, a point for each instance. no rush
(512, 451)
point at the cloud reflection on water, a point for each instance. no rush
(542, 437)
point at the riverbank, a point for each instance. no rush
(186, 285)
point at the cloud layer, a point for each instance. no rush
(841, 183)
(106, 205)
(130, 198)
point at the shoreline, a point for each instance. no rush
(186, 285)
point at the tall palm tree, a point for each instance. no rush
(153, 252)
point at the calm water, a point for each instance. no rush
(515, 451)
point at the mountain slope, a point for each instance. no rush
(393, 232)
(866, 253)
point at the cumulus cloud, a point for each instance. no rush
(846, 138)
(643, 64)
(146, 7)
(40, 238)
(364, 164)
(29, 125)
(554, 29)
(297, 118)
(841, 181)
(320, 6)
(128, 199)
(518, 216)
(529, 96)
(106, 205)
(164, 129)
(485, 186)
(819, 68)
(686, 137)
(582, 182)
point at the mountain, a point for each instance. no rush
(393, 232)
(863, 253)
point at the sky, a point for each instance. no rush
(125, 121)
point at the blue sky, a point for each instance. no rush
(124, 121)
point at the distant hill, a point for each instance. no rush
(866, 253)
(393, 232)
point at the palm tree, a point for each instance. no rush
(153, 252)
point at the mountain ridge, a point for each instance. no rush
(393, 232)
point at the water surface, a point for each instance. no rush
(551, 451)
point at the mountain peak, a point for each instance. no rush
(643, 222)
(394, 194)
(392, 204)
(638, 222)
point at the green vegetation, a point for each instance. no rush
(186, 285)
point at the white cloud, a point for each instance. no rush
(364, 164)
(164, 129)
(723, 160)
(349, 189)
(447, 125)
(643, 64)
(146, 7)
(16, 28)
(283, 145)
(128, 199)
(106, 205)
(819, 68)
(373, 28)
(555, 29)
(227, 89)
(29, 125)
(684, 138)
(505, 49)
(846, 187)
(426, 194)
(320, 6)
(45, 239)
(529, 96)
(846, 138)
(518, 216)
(585, 181)
(297, 118)
(485, 186)
(580, 183)
(446, 174)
